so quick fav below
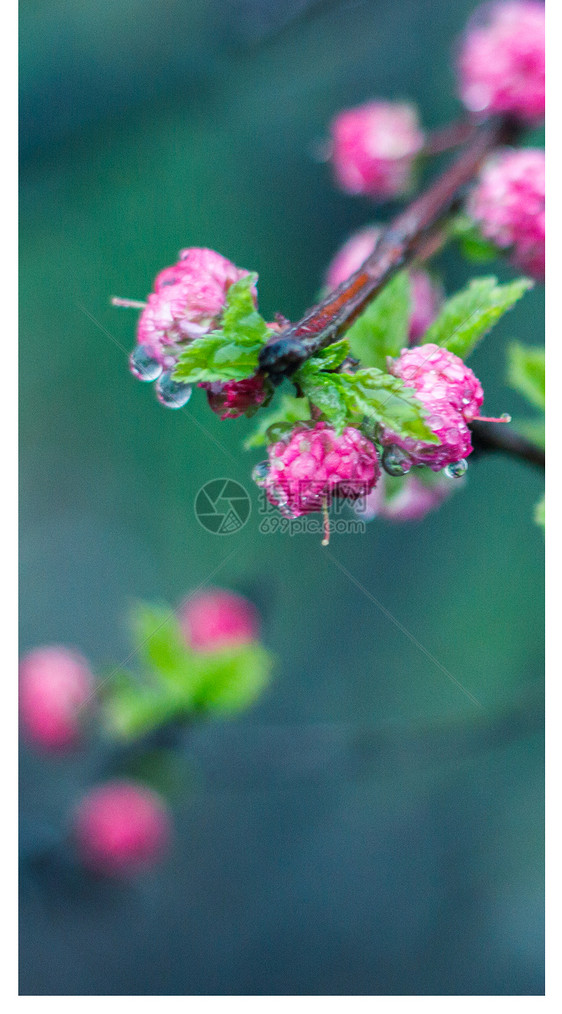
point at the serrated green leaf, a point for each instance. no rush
(329, 358)
(471, 313)
(387, 400)
(382, 330)
(289, 411)
(230, 353)
(526, 372)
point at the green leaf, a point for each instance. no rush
(389, 401)
(162, 647)
(289, 411)
(471, 313)
(132, 708)
(234, 678)
(526, 372)
(382, 330)
(230, 353)
(347, 398)
(329, 358)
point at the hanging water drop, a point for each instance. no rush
(170, 393)
(456, 469)
(142, 364)
(395, 461)
(260, 473)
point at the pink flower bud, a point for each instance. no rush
(406, 499)
(121, 828)
(314, 464)
(374, 147)
(187, 301)
(236, 397)
(508, 204)
(426, 296)
(501, 60)
(451, 396)
(219, 619)
(56, 686)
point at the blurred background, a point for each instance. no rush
(365, 828)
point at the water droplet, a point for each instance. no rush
(170, 393)
(260, 473)
(142, 364)
(505, 417)
(395, 461)
(456, 469)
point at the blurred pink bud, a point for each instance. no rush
(425, 294)
(121, 828)
(56, 685)
(219, 619)
(508, 204)
(374, 147)
(406, 499)
(501, 60)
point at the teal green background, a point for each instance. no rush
(366, 828)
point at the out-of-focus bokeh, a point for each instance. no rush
(366, 828)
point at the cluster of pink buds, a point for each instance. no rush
(502, 58)
(374, 147)
(451, 396)
(425, 294)
(121, 828)
(187, 302)
(508, 205)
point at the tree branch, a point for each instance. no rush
(499, 437)
(397, 246)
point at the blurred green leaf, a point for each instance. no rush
(471, 313)
(234, 678)
(382, 330)
(532, 429)
(231, 352)
(473, 245)
(526, 372)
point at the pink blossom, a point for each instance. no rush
(56, 685)
(501, 60)
(451, 396)
(314, 464)
(508, 203)
(425, 294)
(373, 148)
(187, 301)
(121, 828)
(219, 619)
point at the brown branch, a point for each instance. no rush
(499, 437)
(397, 246)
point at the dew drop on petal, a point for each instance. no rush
(142, 364)
(456, 469)
(395, 461)
(170, 393)
(260, 473)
